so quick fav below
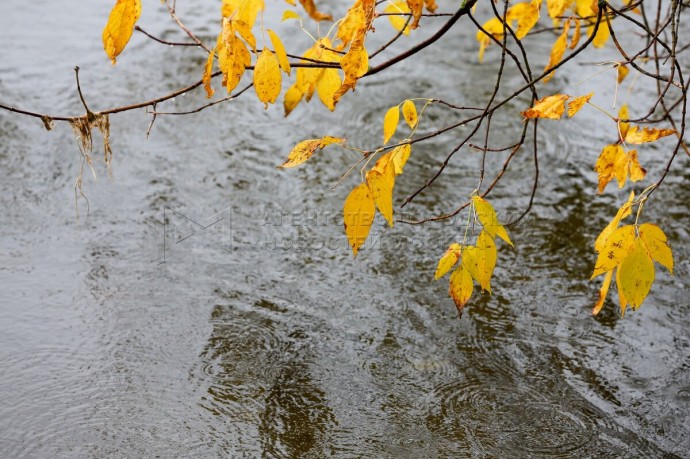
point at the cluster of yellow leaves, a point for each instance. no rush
(120, 26)
(525, 15)
(630, 251)
(476, 262)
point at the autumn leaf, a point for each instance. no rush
(489, 220)
(390, 123)
(313, 12)
(602, 293)
(657, 245)
(448, 260)
(326, 86)
(603, 34)
(557, 8)
(243, 29)
(289, 14)
(409, 113)
(557, 51)
(242, 10)
(577, 103)
(461, 287)
(480, 260)
(267, 78)
(526, 14)
(280, 51)
(623, 127)
(636, 274)
(614, 250)
(358, 215)
(208, 69)
(120, 26)
(622, 213)
(306, 148)
(495, 28)
(637, 135)
(607, 164)
(430, 5)
(381, 186)
(415, 7)
(355, 63)
(400, 156)
(551, 107)
(293, 96)
(398, 22)
(576, 35)
(637, 172)
(621, 72)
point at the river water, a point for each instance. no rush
(246, 328)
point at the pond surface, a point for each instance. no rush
(246, 328)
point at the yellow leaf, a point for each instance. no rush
(551, 107)
(415, 7)
(280, 51)
(621, 168)
(636, 274)
(400, 156)
(242, 10)
(460, 288)
(245, 32)
(390, 123)
(480, 260)
(608, 163)
(448, 260)
(326, 86)
(313, 12)
(636, 135)
(489, 220)
(621, 72)
(430, 5)
(289, 14)
(350, 24)
(290, 2)
(382, 162)
(637, 172)
(120, 26)
(208, 69)
(358, 215)
(577, 103)
(602, 35)
(621, 297)
(557, 52)
(301, 152)
(329, 140)
(293, 96)
(602, 293)
(557, 7)
(526, 14)
(657, 245)
(409, 113)
(623, 127)
(576, 35)
(494, 27)
(399, 23)
(614, 250)
(267, 78)
(622, 213)
(381, 186)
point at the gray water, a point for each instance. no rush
(260, 335)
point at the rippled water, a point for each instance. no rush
(260, 335)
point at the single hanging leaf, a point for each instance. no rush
(557, 51)
(621, 72)
(293, 96)
(280, 51)
(621, 298)
(120, 26)
(494, 27)
(409, 113)
(289, 14)
(460, 288)
(637, 135)
(430, 5)
(615, 249)
(657, 245)
(576, 35)
(607, 164)
(602, 35)
(623, 212)
(301, 153)
(399, 23)
(390, 123)
(551, 107)
(326, 86)
(208, 70)
(245, 32)
(381, 186)
(622, 168)
(415, 7)
(637, 172)
(636, 274)
(358, 216)
(602, 293)
(526, 14)
(623, 127)
(313, 12)
(329, 140)
(267, 78)
(448, 260)
(489, 220)
(577, 103)
(400, 156)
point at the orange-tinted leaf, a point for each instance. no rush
(313, 12)
(415, 7)
(551, 107)
(576, 35)
(635, 135)
(302, 152)
(120, 26)
(430, 5)
(602, 293)
(208, 69)
(557, 51)
(577, 103)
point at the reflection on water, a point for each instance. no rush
(246, 343)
